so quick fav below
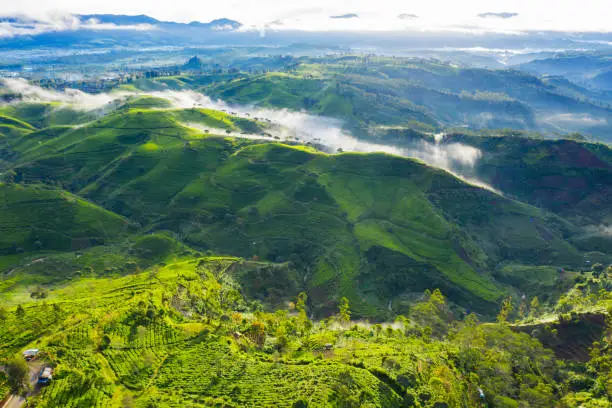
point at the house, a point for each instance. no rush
(45, 376)
(30, 354)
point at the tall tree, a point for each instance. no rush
(345, 310)
(17, 373)
(505, 311)
(534, 306)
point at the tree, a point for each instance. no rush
(17, 373)
(345, 311)
(300, 304)
(433, 312)
(576, 137)
(304, 322)
(505, 311)
(19, 312)
(8, 177)
(597, 269)
(534, 306)
(3, 314)
(257, 333)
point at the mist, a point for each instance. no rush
(327, 134)
(76, 99)
(599, 230)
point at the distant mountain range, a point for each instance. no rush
(119, 20)
(92, 30)
(122, 20)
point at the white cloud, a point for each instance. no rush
(558, 15)
(327, 133)
(49, 22)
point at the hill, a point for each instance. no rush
(121, 285)
(322, 213)
(38, 218)
(180, 334)
(570, 178)
(377, 91)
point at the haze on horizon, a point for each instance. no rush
(478, 16)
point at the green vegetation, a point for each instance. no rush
(182, 333)
(156, 265)
(373, 92)
(321, 214)
(34, 218)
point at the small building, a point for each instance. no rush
(45, 376)
(30, 354)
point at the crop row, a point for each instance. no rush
(62, 394)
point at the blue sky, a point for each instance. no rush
(558, 15)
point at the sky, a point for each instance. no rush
(556, 15)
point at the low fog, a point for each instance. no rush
(599, 230)
(327, 134)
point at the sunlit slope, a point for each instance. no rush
(372, 227)
(40, 115)
(368, 92)
(337, 98)
(128, 336)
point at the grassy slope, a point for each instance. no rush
(277, 202)
(393, 91)
(41, 115)
(35, 218)
(323, 96)
(569, 178)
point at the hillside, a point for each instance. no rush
(185, 257)
(322, 213)
(372, 91)
(39, 218)
(569, 178)
(179, 333)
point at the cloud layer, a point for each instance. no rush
(382, 15)
(502, 15)
(24, 25)
(326, 133)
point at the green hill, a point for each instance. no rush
(35, 218)
(181, 334)
(373, 91)
(120, 284)
(569, 178)
(374, 228)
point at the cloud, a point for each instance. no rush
(275, 23)
(502, 15)
(73, 97)
(407, 16)
(599, 230)
(25, 25)
(567, 122)
(345, 16)
(328, 134)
